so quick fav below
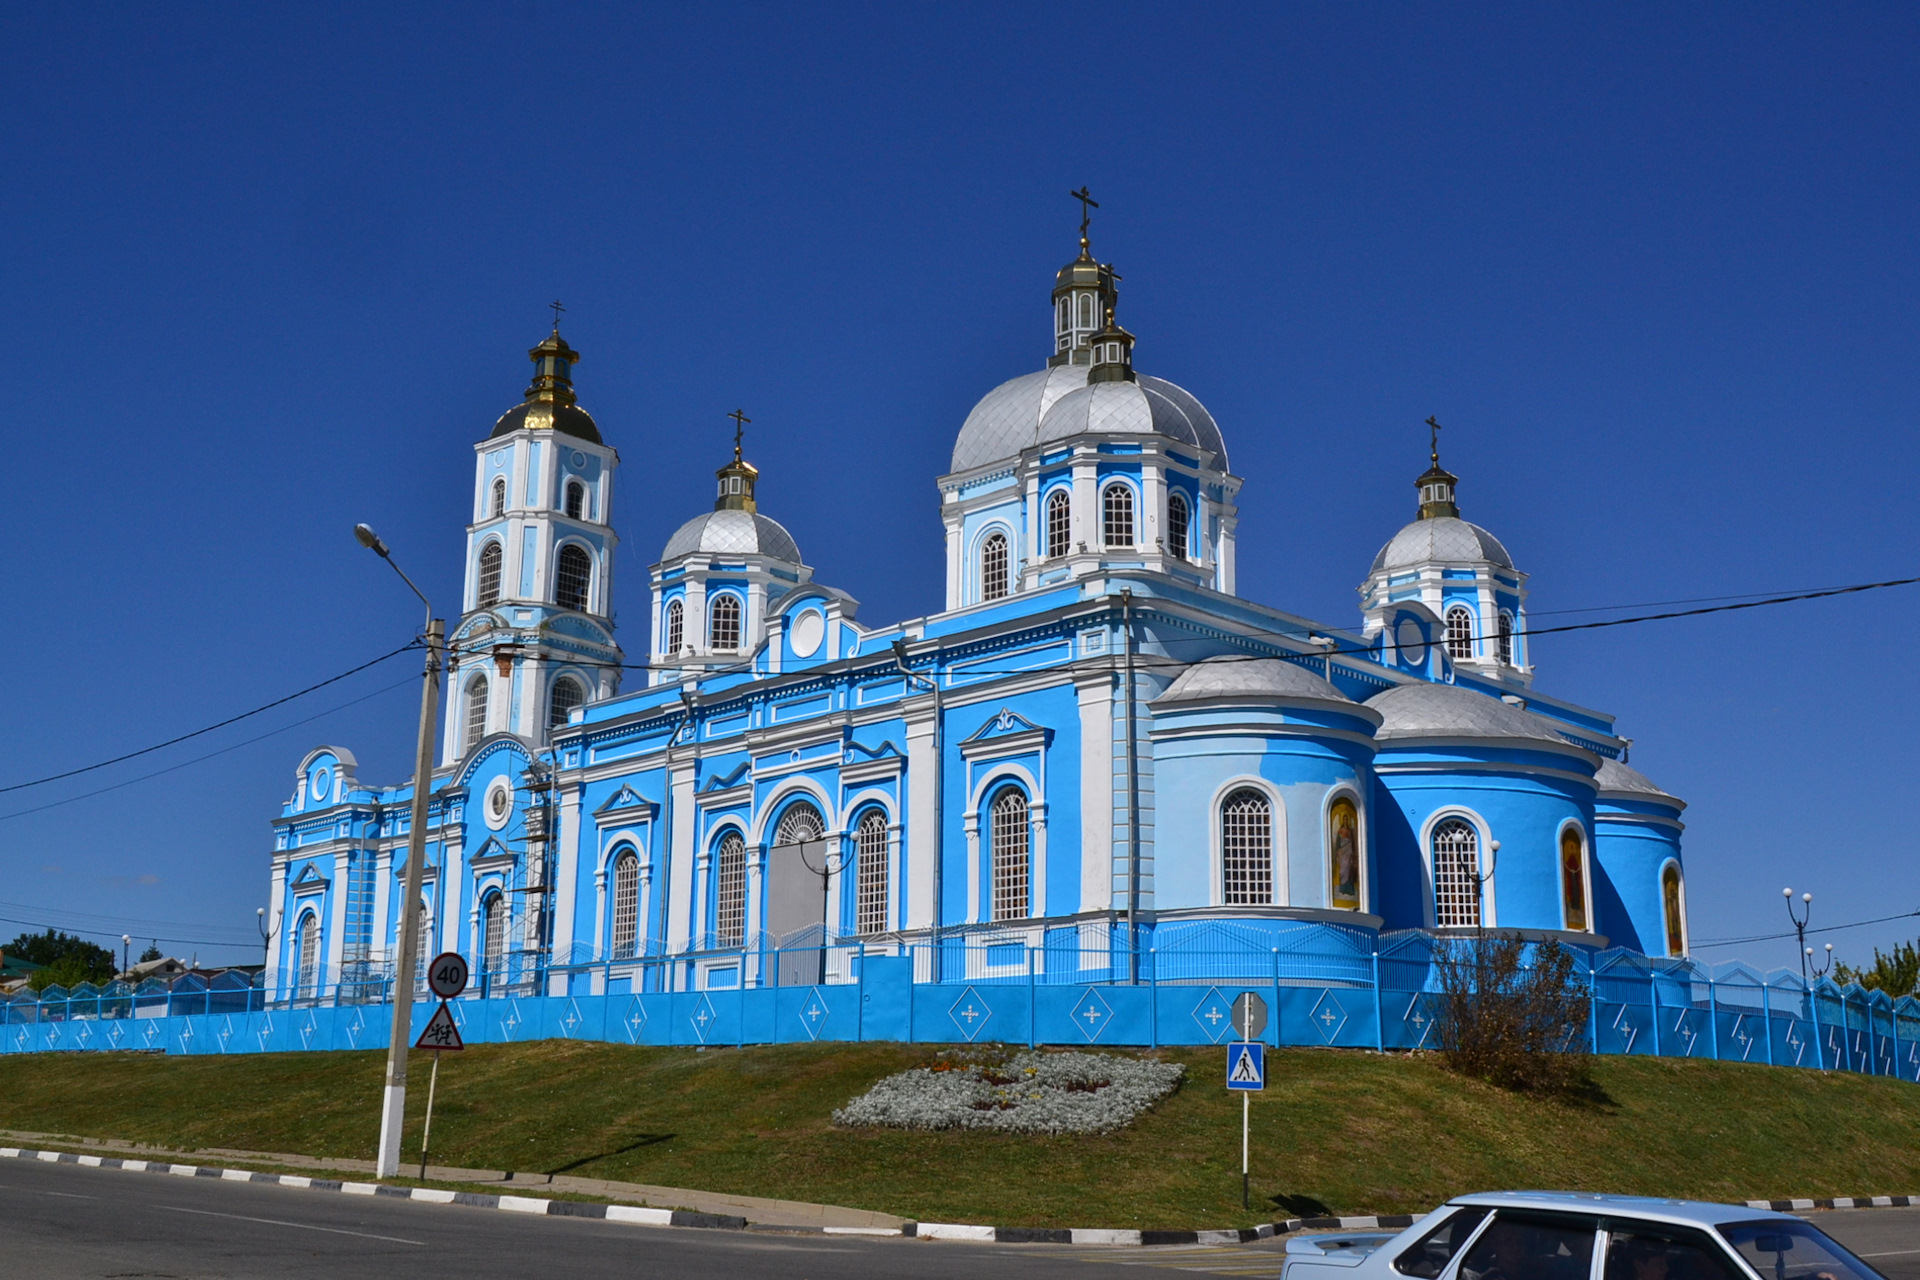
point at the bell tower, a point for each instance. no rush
(535, 639)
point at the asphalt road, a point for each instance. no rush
(63, 1222)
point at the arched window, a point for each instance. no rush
(1059, 523)
(1086, 311)
(870, 853)
(1246, 848)
(307, 979)
(1177, 517)
(993, 567)
(1573, 878)
(1674, 911)
(626, 904)
(730, 891)
(1506, 638)
(1116, 507)
(567, 694)
(1063, 316)
(723, 622)
(1459, 633)
(488, 593)
(572, 572)
(799, 824)
(498, 505)
(1011, 841)
(1343, 853)
(676, 628)
(576, 499)
(493, 934)
(476, 711)
(1456, 874)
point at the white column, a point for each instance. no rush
(1153, 506)
(1096, 790)
(922, 837)
(680, 901)
(566, 881)
(1086, 505)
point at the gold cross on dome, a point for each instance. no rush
(1087, 202)
(740, 421)
(556, 308)
(1433, 438)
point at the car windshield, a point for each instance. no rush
(1783, 1249)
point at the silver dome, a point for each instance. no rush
(1447, 711)
(1442, 538)
(1015, 415)
(733, 533)
(1231, 678)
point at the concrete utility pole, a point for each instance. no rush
(393, 1103)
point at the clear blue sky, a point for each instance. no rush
(271, 270)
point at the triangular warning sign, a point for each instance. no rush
(440, 1032)
(1246, 1069)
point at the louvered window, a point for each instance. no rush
(1246, 848)
(1506, 638)
(723, 623)
(1011, 842)
(487, 593)
(1116, 506)
(309, 956)
(1459, 633)
(494, 924)
(499, 507)
(730, 891)
(993, 567)
(626, 905)
(1059, 523)
(567, 694)
(576, 500)
(676, 628)
(1177, 517)
(572, 572)
(870, 850)
(1456, 875)
(476, 711)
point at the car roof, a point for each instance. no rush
(1693, 1213)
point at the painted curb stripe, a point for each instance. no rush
(643, 1216)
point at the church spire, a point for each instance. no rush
(1436, 485)
(737, 477)
(1083, 294)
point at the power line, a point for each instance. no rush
(244, 715)
(116, 934)
(1791, 933)
(247, 742)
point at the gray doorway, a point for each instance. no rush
(797, 896)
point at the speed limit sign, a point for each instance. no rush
(447, 975)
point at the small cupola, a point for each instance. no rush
(737, 477)
(1112, 349)
(553, 362)
(1436, 484)
(1083, 294)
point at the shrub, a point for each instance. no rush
(1514, 1019)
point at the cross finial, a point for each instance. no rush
(557, 309)
(740, 421)
(1087, 202)
(1433, 438)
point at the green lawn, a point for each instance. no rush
(1357, 1132)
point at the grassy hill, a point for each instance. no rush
(1357, 1132)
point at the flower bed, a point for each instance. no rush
(1026, 1093)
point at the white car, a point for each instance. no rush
(1552, 1235)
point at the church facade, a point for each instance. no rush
(1098, 762)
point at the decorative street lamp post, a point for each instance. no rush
(1800, 928)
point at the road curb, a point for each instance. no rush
(1837, 1202)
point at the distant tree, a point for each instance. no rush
(152, 952)
(91, 963)
(1897, 974)
(1513, 1019)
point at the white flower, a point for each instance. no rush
(1061, 1093)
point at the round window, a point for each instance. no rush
(808, 630)
(321, 779)
(499, 804)
(1412, 641)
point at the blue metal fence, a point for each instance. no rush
(1358, 992)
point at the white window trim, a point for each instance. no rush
(1586, 875)
(1660, 898)
(1351, 793)
(1217, 846)
(1489, 915)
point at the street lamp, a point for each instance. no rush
(1820, 970)
(126, 952)
(1800, 926)
(393, 1103)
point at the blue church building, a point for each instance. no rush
(1098, 756)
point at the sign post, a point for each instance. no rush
(1246, 1074)
(447, 977)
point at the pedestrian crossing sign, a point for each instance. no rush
(1246, 1065)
